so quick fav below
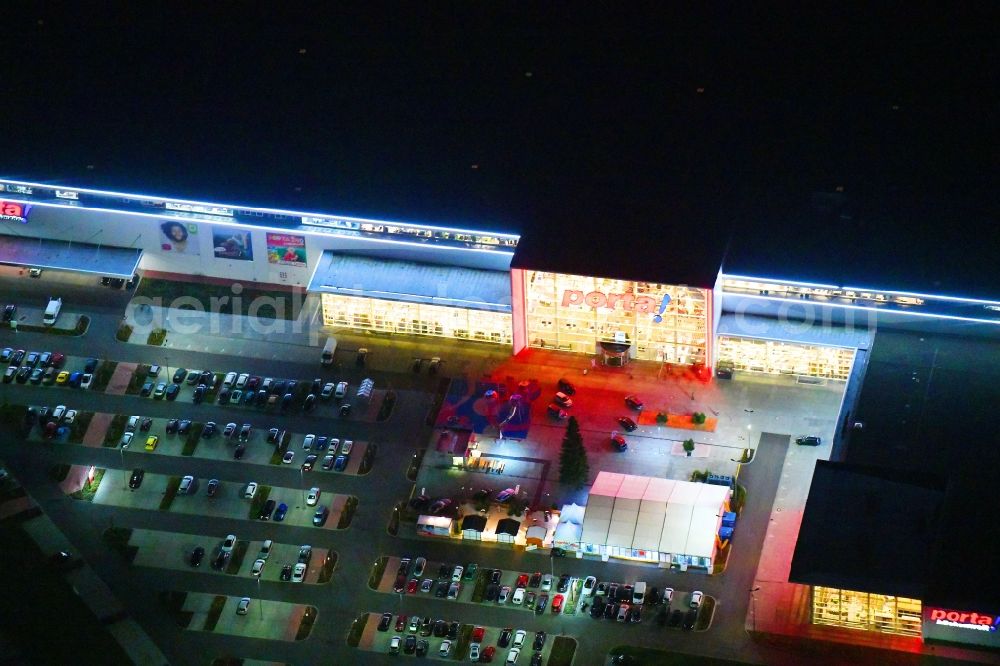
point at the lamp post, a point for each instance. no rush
(753, 607)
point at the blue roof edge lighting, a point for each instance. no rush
(779, 281)
(261, 209)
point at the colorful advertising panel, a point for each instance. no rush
(958, 626)
(286, 249)
(179, 237)
(12, 211)
(229, 243)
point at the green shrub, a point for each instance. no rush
(698, 418)
(661, 418)
(348, 513)
(168, 497)
(689, 445)
(156, 337)
(124, 332)
(214, 612)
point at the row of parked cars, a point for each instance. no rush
(50, 420)
(45, 368)
(478, 652)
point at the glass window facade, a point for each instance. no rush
(574, 313)
(867, 611)
(373, 314)
(784, 358)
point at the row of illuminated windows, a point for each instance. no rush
(815, 293)
(868, 611)
(416, 319)
(782, 358)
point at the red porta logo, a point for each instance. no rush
(627, 302)
(11, 210)
(979, 621)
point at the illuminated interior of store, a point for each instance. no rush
(784, 358)
(867, 611)
(574, 313)
(372, 314)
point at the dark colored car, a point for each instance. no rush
(441, 591)
(345, 411)
(213, 487)
(597, 609)
(145, 424)
(536, 579)
(810, 440)
(319, 518)
(23, 374)
(385, 622)
(609, 611)
(539, 641)
(566, 387)
(184, 427)
(426, 628)
(440, 629)
(340, 463)
(146, 390)
(627, 423)
(224, 396)
(689, 619)
(267, 510)
(239, 451)
(400, 584)
(172, 391)
(444, 571)
(439, 506)
(542, 602)
(180, 375)
(8, 312)
(279, 514)
(220, 560)
(635, 614)
(272, 436)
(619, 443)
(308, 463)
(286, 402)
(496, 576)
(208, 430)
(410, 645)
(172, 426)
(563, 583)
(286, 572)
(197, 555)
(422, 648)
(634, 402)
(199, 394)
(136, 479)
(675, 617)
(504, 639)
(310, 403)
(453, 630)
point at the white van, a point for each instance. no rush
(52, 311)
(639, 593)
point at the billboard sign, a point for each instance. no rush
(945, 624)
(627, 302)
(179, 237)
(12, 211)
(286, 249)
(229, 243)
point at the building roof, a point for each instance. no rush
(107, 260)
(412, 282)
(474, 521)
(887, 543)
(928, 412)
(508, 526)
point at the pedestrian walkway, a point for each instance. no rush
(120, 379)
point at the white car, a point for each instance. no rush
(588, 586)
(696, 598)
(504, 594)
(519, 636)
(257, 568)
(307, 442)
(242, 381)
(474, 652)
(445, 648)
(229, 380)
(513, 655)
(186, 484)
(265, 549)
(341, 390)
(668, 594)
(345, 450)
(327, 391)
(69, 416)
(87, 380)
(546, 582)
(456, 574)
(394, 644)
(313, 496)
(298, 573)
(126, 439)
(228, 545)
(133, 424)
(243, 606)
(251, 490)
(518, 597)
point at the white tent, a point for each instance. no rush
(567, 535)
(571, 513)
(649, 518)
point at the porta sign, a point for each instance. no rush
(11, 211)
(627, 302)
(964, 620)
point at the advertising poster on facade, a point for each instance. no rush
(229, 243)
(286, 249)
(179, 237)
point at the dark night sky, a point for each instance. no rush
(607, 140)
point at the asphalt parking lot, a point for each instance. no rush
(274, 620)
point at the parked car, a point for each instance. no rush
(618, 442)
(557, 603)
(627, 423)
(385, 622)
(308, 463)
(258, 568)
(313, 496)
(634, 402)
(690, 618)
(563, 400)
(243, 607)
(288, 457)
(546, 582)
(563, 583)
(539, 641)
(279, 513)
(808, 440)
(136, 479)
(542, 602)
(320, 516)
(453, 590)
(213, 487)
(299, 572)
(146, 389)
(250, 491)
(505, 495)
(696, 598)
(151, 442)
(228, 544)
(197, 555)
(187, 484)
(266, 510)
(394, 643)
(340, 463)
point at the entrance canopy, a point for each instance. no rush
(120, 262)
(412, 282)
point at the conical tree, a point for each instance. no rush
(573, 466)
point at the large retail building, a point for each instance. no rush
(907, 561)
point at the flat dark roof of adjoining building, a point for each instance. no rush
(928, 409)
(119, 262)
(886, 546)
(508, 526)
(474, 521)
